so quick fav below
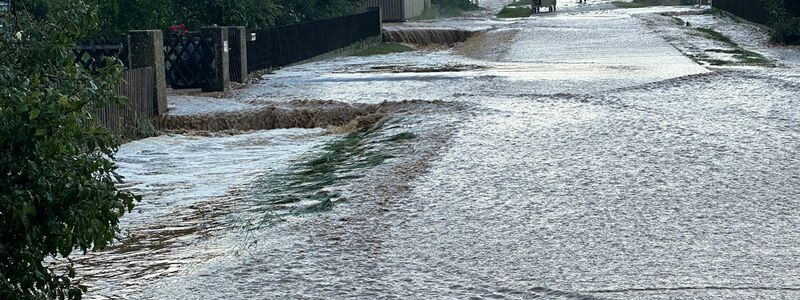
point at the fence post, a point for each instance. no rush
(237, 37)
(219, 75)
(146, 49)
(380, 20)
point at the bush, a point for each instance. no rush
(785, 26)
(121, 16)
(57, 190)
(117, 16)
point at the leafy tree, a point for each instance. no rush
(120, 16)
(57, 175)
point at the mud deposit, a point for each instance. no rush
(587, 157)
(293, 114)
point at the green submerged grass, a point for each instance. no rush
(338, 161)
(742, 56)
(521, 2)
(514, 12)
(645, 3)
(717, 36)
(384, 48)
(446, 9)
(402, 136)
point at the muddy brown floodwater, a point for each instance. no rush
(575, 155)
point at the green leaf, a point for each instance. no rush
(34, 114)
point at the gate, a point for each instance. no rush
(188, 60)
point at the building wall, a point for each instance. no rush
(399, 10)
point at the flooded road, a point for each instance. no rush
(582, 156)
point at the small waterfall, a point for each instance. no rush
(426, 36)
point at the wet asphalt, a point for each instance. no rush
(594, 160)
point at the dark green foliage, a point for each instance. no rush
(57, 189)
(785, 26)
(121, 16)
(117, 16)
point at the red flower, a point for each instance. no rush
(173, 28)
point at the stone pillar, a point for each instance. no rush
(219, 74)
(237, 38)
(146, 49)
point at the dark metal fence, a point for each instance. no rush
(91, 54)
(751, 10)
(187, 60)
(280, 46)
(234, 53)
(754, 10)
(137, 87)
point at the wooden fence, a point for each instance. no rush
(138, 87)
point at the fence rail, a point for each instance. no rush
(280, 46)
(91, 54)
(137, 87)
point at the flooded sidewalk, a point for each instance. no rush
(577, 155)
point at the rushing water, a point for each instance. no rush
(426, 36)
(591, 160)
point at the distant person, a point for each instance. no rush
(581, 1)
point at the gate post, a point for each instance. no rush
(237, 36)
(216, 68)
(146, 49)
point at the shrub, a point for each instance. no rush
(785, 26)
(57, 189)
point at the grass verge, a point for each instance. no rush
(521, 2)
(743, 57)
(514, 12)
(717, 36)
(739, 54)
(446, 9)
(646, 3)
(384, 48)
